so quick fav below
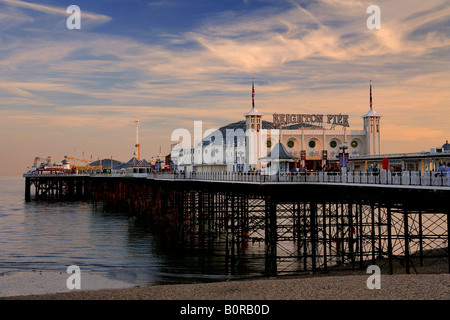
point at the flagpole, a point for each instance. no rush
(253, 93)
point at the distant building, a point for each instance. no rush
(106, 164)
(413, 161)
(134, 166)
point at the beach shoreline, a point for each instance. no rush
(323, 287)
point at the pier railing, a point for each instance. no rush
(406, 178)
(409, 178)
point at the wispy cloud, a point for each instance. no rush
(317, 57)
(55, 10)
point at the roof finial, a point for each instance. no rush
(370, 94)
(253, 93)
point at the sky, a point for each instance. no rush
(78, 92)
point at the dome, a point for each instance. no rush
(446, 146)
(233, 126)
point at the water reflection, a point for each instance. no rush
(50, 236)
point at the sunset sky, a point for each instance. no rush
(168, 63)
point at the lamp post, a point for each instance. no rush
(343, 161)
(239, 162)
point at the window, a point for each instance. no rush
(333, 144)
(354, 144)
(269, 143)
(290, 143)
(312, 144)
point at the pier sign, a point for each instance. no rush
(343, 159)
(333, 119)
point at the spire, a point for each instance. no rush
(371, 112)
(253, 111)
(253, 94)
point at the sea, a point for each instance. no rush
(40, 240)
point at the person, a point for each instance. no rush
(447, 169)
(440, 170)
(447, 172)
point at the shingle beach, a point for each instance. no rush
(347, 287)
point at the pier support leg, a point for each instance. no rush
(389, 230)
(314, 231)
(324, 235)
(351, 240)
(406, 230)
(372, 231)
(448, 237)
(420, 239)
(361, 234)
(271, 236)
(27, 189)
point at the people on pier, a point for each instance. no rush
(441, 169)
(447, 169)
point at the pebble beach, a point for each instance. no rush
(346, 287)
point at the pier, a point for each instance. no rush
(314, 222)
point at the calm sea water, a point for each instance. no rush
(50, 236)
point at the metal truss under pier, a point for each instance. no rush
(293, 228)
(286, 228)
(57, 187)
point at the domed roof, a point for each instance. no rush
(242, 125)
(233, 126)
(446, 146)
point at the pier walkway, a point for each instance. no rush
(413, 179)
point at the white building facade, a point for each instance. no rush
(311, 139)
